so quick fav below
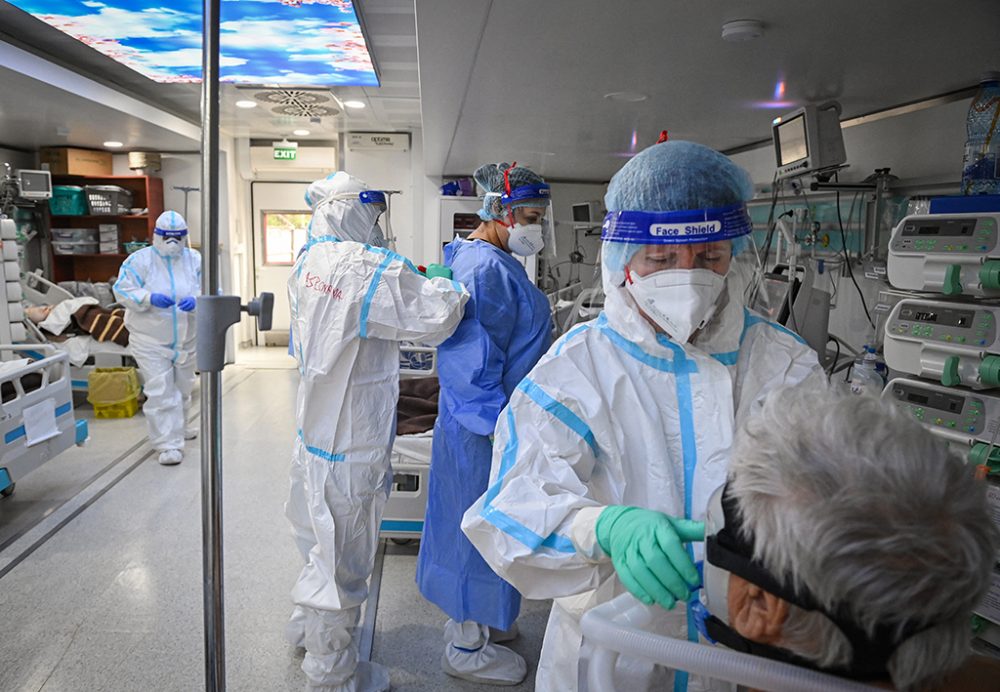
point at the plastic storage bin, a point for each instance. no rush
(74, 248)
(68, 200)
(74, 235)
(113, 392)
(135, 246)
(108, 200)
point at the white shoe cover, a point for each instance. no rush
(190, 432)
(171, 457)
(502, 636)
(368, 677)
(469, 655)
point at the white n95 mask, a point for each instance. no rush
(526, 239)
(679, 301)
(170, 247)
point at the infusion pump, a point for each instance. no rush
(967, 419)
(953, 343)
(953, 254)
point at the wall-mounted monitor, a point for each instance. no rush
(808, 140)
(34, 184)
(588, 213)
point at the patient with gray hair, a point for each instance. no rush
(849, 539)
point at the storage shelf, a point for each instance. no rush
(109, 217)
(94, 254)
(147, 193)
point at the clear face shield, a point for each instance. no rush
(679, 267)
(170, 242)
(529, 219)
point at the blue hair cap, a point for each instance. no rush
(677, 176)
(492, 179)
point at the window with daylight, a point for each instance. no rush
(285, 232)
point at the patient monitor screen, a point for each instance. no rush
(792, 141)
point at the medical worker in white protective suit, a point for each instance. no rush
(352, 302)
(158, 286)
(607, 454)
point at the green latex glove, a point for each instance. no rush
(434, 270)
(646, 548)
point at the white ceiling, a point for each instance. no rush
(519, 80)
(526, 80)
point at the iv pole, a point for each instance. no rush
(211, 381)
(214, 315)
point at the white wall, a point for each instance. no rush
(391, 170)
(17, 159)
(564, 196)
(924, 147)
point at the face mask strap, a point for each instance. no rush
(731, 549)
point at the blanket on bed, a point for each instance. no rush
(102, 324)
(418, 405)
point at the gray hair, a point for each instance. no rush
(864, 508)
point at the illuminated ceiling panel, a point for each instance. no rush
(286, 42)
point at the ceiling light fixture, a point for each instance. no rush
(742, 30)
(301, 133)
(354, 104)
(246, 104)
(626, 96)
(113, 145)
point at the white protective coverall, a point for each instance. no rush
(351, 305)
(615, 414)
(162, 340)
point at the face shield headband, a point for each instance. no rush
(376, 197)
(731, 550)
(171, 234)
(677, 227)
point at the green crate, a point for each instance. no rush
(68, 200)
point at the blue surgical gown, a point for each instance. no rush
(505, 330)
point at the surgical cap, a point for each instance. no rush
(675, 176)
(672, 176)
(491, 178)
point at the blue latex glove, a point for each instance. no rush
(646, 548)
(187, 304)
(159, 300)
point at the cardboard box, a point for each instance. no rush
(109, 247)
(68, 161)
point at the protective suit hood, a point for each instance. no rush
(345, 219)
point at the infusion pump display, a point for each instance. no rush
(948, 235)
(951, 343)
(954, 414)
(953, 324)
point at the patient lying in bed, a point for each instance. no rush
(78, 316)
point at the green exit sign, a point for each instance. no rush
(285, 153)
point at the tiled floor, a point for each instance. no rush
(105, 593)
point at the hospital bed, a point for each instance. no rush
(36, 414)
(403, 518)
(84, 352)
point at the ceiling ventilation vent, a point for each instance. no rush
(298, 102)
